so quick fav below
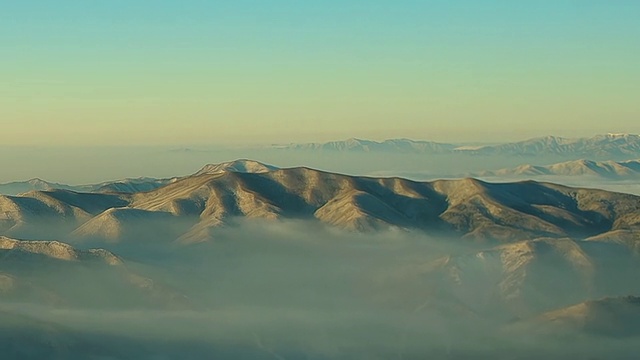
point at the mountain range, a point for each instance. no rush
(361, 145)
(130, 185)
(618, 170)
(219, 261)
(599, 146)
(192, 207)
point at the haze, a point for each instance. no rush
(202, 72)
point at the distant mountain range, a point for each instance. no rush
(599, 146)
(192, 207)
(129, 185)
(360, 145)
(602, 169)
(124, 186)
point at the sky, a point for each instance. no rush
(133, 72)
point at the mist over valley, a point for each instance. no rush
(247, 260)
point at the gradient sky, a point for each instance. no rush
(118, 72)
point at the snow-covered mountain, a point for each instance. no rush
(132, 185)
(129, 185)
(241, 165)
(192, 207)
(360, 145)
(243, 240)
(599, 146)
(17, 187)
(602, 169)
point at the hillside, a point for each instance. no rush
(57, 274)
(524, 278)
(466, 207)
(617, 317)
(195, 206)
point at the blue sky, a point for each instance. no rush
(197, 72)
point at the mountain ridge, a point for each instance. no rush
(467, 207)
(610, 169)
(599, 146)
(131, 185)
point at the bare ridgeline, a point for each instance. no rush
(246, 260)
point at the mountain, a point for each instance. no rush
(55, 273)
(532, 248)
(242, 165)
(120, 186)
(131, 185)
(195, 206)
(17, 187)
(469, 207)
(119, 224)
(602, 169)
(524, 278)
(617, 317)
(50, 214)
(360, 145)
(599, 146)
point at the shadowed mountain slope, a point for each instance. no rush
(468, 207)
(242, 166)
(521, 279)
(465, 207)
(49, 214)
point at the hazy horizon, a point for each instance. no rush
(125, 73)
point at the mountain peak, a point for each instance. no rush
(240, 165)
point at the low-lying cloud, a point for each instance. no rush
(294, 290)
